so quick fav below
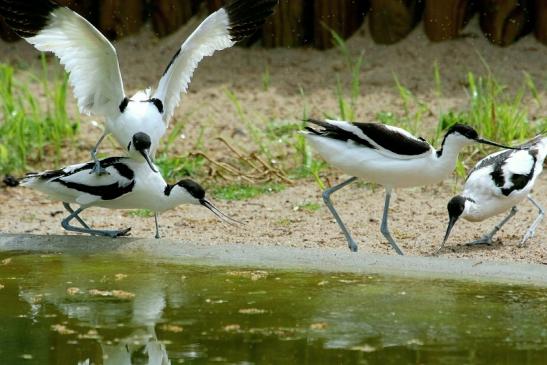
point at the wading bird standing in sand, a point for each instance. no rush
(388, 156)
(93, 65)
(498, 183)
(129, 184)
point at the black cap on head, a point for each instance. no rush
(141, 141)
(464, 130)
(193, 188)
(456, 206)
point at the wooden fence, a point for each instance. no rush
(308, 22)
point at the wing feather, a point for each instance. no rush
(390, 141)
(86, 54)
(218, 31)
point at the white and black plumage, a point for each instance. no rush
(93, 65)
(386, 155)
(128, 184)
(497, 183)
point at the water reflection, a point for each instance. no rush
(60, 309)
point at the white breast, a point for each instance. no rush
(138, 117)
(372, 166)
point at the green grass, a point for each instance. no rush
(309, 207)
(140, 213)
(495, 112)
(31, 132)
(346, 108)
(245, 191)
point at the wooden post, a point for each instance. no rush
(119, 18)
(290, 25)
(541, 21)
(445, 19)
(505, 21)
(393, 20)
(342, 16)
(168, 15)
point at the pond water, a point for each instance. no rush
(67, 309)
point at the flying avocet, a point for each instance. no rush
(93, 65)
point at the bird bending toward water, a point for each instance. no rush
(498, 183)
(129, 184)
(388, 156)
(94, 72)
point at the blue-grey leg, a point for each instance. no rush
(384, 227)
(541, 213)
(113, 234)
(157, 226)
(71, 211)
(326, 198)
(487, 239)
(98, 169)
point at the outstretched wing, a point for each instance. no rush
(86, 54)
(387, 140)
(222, 29)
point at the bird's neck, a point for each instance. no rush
(447, 155)
(173, 196)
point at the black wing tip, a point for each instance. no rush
(27, 18)
(246, 16)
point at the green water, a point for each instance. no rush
(61, 309)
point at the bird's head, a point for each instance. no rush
(139, 146)
(190, 192)
(457, 207)
(463, 135)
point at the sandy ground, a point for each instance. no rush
(418, 216)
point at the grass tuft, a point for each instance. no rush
(31, 132)
(245, 191)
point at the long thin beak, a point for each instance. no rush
(145, 154)
(223, 217)
(451, 224)
(485, 141)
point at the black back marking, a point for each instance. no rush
(392, 140)
(158, 103)
(47, 175)
(27, 18)
(247, 16)
(382, 135)
(124, 104)
(334, 132)
(105, 192)
(175, 56)
(498, 159)
(124, 171)
(518, 181)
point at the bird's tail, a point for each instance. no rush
(11, 181)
